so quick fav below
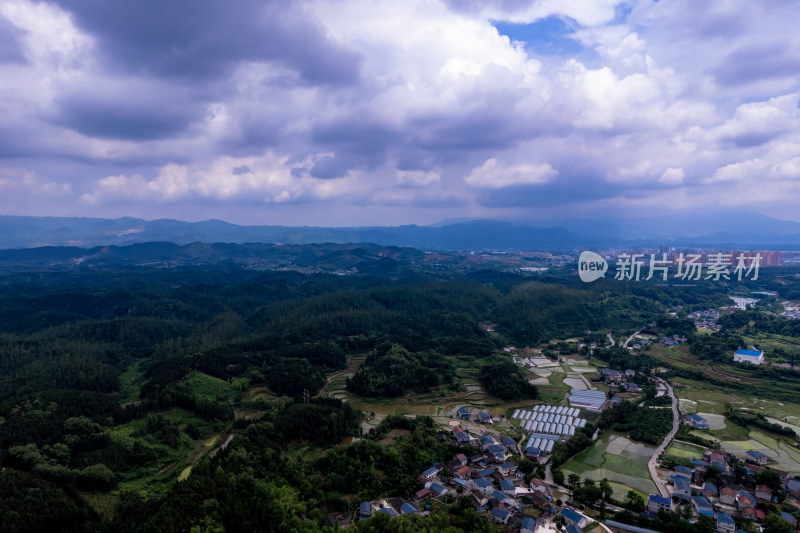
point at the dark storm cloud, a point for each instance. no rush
(117, 113)
(332, 167)
(11, 50)
(750, 64)
(565, 190)
(199, 39)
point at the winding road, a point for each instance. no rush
(625, 344)
(676, 421)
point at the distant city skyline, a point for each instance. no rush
(352, 113)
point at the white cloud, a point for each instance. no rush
(752, 168)
(672, 176)
(493, 176)
(417, 178)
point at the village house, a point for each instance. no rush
(407, 508)
(463, 413)
(507, 469)
(764, 493)
(655, 503)
(697, 421)
(508, 486)
(464, 472)
(793, 487)
(756, 457)
(438, 490)
(574, 517)
(710, 490)
(483, 485)
(727, 496)
(430, 473)
(703, 506)
(500, 515)
(479, 498)
(528, 526)
(538, 485)
(725, 523)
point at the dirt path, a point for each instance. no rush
(328, 382)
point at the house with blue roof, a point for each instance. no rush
(462, 437)
(507, 469)
(485, 417)
(753, 357)
(502, 497)
(685, 470)
(655, 503)
(387, 510)
(682, 488)
(532, 452)
(574, 517)
(500, 515)
(496, 449)
(365, 510)
(702, 505)
(507, 486)
(725, 523)
(407, 508)
(438, 490)
(509, 443)
(483, 485)
(430, 473)
(463, 413)
(709, 489)
(487, 473)
(697, 421)
(572, 528)
(485, 441)
(756, 457)
(528, 525)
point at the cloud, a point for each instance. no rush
(492, 176)
(738, 171)
(672, 176)
(363, 110)
(417, 178)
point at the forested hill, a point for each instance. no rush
(115, 378)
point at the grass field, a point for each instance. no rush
(681, 449)
(130, 383)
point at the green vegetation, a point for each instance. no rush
(153, 399)
(504, 379)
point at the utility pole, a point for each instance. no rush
(306, 396)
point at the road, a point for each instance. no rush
(651, 465)
(611, 340)
(625, 344)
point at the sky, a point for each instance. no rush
(354, 112)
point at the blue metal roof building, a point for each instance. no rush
(407, 508)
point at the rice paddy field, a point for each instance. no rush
(618, 459)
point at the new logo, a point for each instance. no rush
(591, 266)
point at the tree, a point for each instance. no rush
(558, 477)
(634, 502)
(773, 523)
(606, 490)
(573, 480)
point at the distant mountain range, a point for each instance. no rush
(724, 228)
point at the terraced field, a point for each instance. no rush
(617, 459)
